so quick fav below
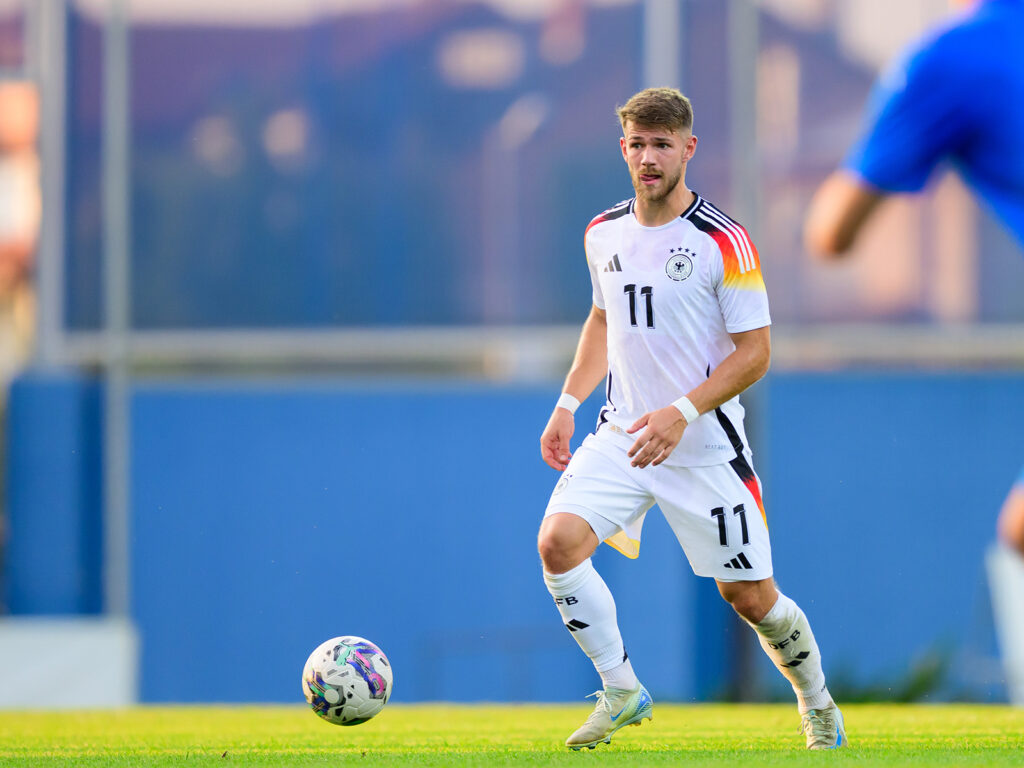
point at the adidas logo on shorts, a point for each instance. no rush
(740, 562)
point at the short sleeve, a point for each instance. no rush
(595, 280)
(738, 281)
(916, 116)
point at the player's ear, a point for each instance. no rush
(622, 146)
(691, 147)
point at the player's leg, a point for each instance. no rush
(717, 515)
(584, 601)
(786, 637)
(592, 501)
(564, 542)
(1005, 564)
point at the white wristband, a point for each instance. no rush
(568, 402)
(687, 409)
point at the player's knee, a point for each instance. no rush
(751, 600)
(749, 608)
(554, 551)
(561, 543)
(1012, 536)
(1011, 521)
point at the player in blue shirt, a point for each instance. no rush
(956, 96)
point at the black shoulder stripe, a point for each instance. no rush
(615, 212)
(703, 223)
(618, 211)
(715, 212)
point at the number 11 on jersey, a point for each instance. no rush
(648, 293)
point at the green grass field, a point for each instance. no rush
(526, 735)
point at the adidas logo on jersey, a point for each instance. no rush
(740, 562)
(613, 265)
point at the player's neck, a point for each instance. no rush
(654, 214)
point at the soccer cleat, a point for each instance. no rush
(824, 728)
(616, 708)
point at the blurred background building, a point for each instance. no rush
(282, 240)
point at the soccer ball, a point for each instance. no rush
(347, 680)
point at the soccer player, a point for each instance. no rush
(1006, 582)
(957, 96)
(679, 326)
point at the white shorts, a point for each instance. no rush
(715, 512)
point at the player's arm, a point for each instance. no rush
(919, 111)
(589, 367)
(840, 208)
(663, 429)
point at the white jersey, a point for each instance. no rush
(673, 294)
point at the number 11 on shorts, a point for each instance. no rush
(723, 535)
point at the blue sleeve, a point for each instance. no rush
(917, 115)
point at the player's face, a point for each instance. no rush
(656, 158)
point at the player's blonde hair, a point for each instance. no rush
(658, 108)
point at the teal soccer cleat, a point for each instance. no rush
(616, 708)
(824, 728)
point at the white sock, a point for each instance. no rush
(588, 611)
(786, 637)
(621, 676)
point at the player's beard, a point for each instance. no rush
(659, 193)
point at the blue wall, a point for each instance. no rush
(52, 554)
(269, 516)
(271, 519)
(883, 495)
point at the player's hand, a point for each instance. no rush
(664, 430)
(554, 443)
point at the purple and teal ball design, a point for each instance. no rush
(347, 680)
(364, 657)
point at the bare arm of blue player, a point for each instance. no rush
(838, 212)
(589, 367)
(663, 428)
